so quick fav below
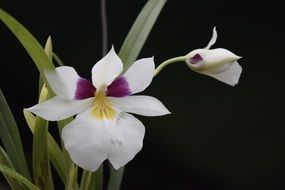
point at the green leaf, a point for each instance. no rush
(57, 59)
(97, 179)
(29, 42)
(13, 174)
(48, 50)
(85, 180)
(41, 166)
(71, 178)
(116, 177)
(140, 31)
(55, 154)
(6, 161)
(11, 139)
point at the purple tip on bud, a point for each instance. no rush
(195, 59)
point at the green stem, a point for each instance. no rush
(116, 177)
(86, 179)
(104, 27)
(71, 177)
(167, 62)
(97, 179)
(41, 164)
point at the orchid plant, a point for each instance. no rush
(103, 128)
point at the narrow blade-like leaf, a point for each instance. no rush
(11, 139)
(140, 31)
(97, 179)
(55, 154)
(57, 59)
(41, 166)
(71, 178)
(48, 50)
(29, 42)
(85, 180)
(6, 161)
(13, 174)
(116, 177)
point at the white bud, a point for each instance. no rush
(219, 63)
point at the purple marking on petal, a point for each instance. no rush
(196, 59)
(119, 88)
(84, 89)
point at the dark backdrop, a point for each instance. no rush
(217, 137)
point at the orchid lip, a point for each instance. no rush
(102, 108)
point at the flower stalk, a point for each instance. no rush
(86, 179)
(168, 62)
(71, 178)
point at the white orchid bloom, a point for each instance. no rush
(103, 128)
(218, 63)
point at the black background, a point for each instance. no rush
(217, 137)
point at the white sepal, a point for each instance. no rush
(107, 69)
(63, 81)
(56, 109)
(213, 39)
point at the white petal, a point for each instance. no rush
(230, 76)
(56, 109)
(90, 141)
(141, 105)
(140, 74)
(107, 69)
(63, 81)
(127, 140)
(85, 140)
(213, 39)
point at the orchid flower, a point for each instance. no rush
(103, 128)
(218, 63)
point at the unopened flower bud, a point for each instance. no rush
(218, 63)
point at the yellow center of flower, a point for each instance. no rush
(102, 108)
